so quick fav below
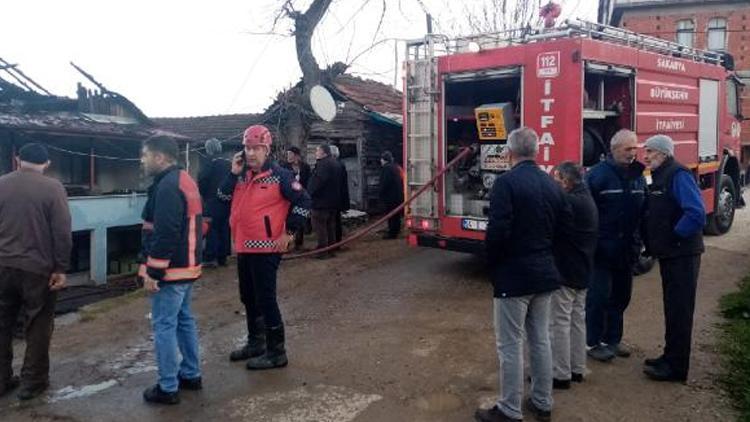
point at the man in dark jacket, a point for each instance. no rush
(391, 192)
(574, 255)
(35, 244)
(618, 188)
(302, 172)
(171, 250)
(527, 216)
(216, 211)
(325, 191)
(674, 235)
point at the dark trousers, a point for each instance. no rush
(257, 279)
(324, 225)
(218, 240)
(394, 225)
(679, 281)
(28, 291)
(607, 299)
(339, 227)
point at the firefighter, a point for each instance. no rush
(269, 206)
(618, 188)
(574, 256)
(674, 235)
(527, 214)
(35, 245)
(216, 212)
(171, 248)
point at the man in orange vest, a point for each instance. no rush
(269, 206)
(172, 240)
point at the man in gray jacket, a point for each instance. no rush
(35, 244)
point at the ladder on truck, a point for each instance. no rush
(421, 125)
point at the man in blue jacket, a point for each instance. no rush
(528, 216)
(171, 249)
(674, 235)
(618, 188)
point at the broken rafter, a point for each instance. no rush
(13, 70)
(91, 78)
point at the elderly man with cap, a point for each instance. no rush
(674, 235)
(214, 171)
(35, 244)
(391, 192)
(268, 208)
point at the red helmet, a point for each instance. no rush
(257, 135)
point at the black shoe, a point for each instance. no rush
(256, 343)
(663, 372)
(539, 414)
(576, 377)
(192, 384)
(493, 414)
(210, 264)
(155, 395)
(275, 356)
(560, 384)
(10, 385)
(654, 361)
(29, 392)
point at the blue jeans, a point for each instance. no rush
(608, 297)
(174, 329)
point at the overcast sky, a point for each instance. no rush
(191, 58)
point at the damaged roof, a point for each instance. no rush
(200, 128)
(372, 95)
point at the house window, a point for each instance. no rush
(685, 31)
(717, 34)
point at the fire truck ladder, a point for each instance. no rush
(421, 124)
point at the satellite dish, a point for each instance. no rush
(322, 103)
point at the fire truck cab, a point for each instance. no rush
(576, 86)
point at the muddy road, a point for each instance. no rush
(380, 333)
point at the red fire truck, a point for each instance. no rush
(575, 85)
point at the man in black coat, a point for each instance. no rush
(528, 215)
(574, 255)
(674, 234)
(325, 191)
(391, 192)
(216, 211)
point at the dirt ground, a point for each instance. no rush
(382, 332)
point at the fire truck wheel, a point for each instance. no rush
(720, 221)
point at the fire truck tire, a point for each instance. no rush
(593, 146)
(720, 221)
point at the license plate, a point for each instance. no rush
(475, 225)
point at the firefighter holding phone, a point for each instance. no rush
(269, 206)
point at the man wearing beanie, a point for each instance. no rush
(215, 210)
(33, 259)
(674, 235)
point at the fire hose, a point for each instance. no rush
(465, 152)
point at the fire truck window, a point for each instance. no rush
(732, 103)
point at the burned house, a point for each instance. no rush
(368, 121)
(94, 142)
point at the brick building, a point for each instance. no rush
(719, 25)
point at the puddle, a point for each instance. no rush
(439, 402)
(322, 403)
(71, 392)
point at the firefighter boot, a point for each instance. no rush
(275, 356)
(256, 343)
